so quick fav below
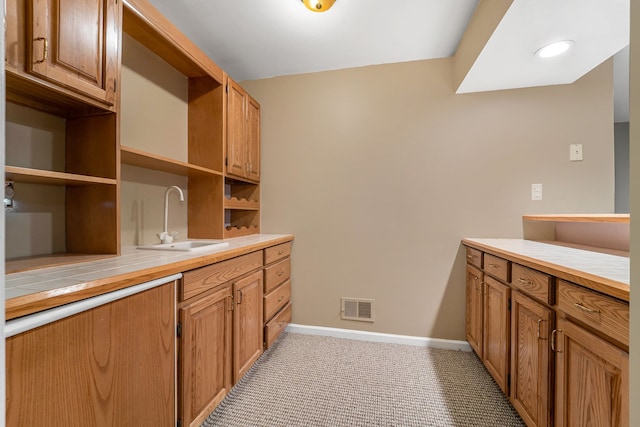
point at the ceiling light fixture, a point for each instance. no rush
(318, 5)
(554, 49)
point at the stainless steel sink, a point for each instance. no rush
(188, 246)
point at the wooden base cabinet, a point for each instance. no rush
(474, 312)
(247, 323)
(531, 367)
(497, 325)
(592, 382)
(206, 362)
(113, 365)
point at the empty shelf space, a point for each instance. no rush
(38, 176)
(135, 157)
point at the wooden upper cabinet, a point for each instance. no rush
(74, 44)
(531, 364)
(243, 134)
(253, 138)
(236, 164)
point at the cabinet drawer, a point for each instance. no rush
(277, 252)
(532, 282)
(274, 328)
(474, 257)
(204, 278)
(277, 299)
(276, 274)
(603, 313)
(497, 267)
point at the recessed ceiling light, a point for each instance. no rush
(554, 49)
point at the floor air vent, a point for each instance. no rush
(356, 309)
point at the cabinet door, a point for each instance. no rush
(205, 355)
(74, 43)
(496, 331)
(253, 138)
(474, 309)
(247, 323)
(531, 368)
(236, 161)
(113, 365)
(592, 381)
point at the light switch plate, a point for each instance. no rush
(575, 152)
(536, 191)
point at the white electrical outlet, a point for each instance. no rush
(536, 191)
(575, 152)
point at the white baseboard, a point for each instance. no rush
(379, 337)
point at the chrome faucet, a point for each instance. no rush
(165, 237)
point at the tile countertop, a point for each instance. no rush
(36, 290)
(601, 272)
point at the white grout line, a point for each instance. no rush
(379, 337)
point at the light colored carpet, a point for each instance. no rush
(306, 380)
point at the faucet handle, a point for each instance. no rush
(174, 235)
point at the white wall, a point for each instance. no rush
(380, 172)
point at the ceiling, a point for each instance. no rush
(252, 39)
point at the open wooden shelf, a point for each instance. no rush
(144, 23)
(39, 176)
(135, 157)
(242, 204)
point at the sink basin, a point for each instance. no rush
(187, 246)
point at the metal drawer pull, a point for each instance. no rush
(45, 54)
(587, 309)
(525, 281)
(239, 297)
(280, 252)
(494, 265)
(281, 298)
(280, 273)
(471, 256)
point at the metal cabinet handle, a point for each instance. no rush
(45, 54)
(554, 335)
(471, 256)
(280, 273)
(230, 297)
(494, 265)
(587, 309)
(280, 252)
(281, 298)
(525, 281)
(538, 333)
(239, 297)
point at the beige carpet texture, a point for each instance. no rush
(307, 380)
